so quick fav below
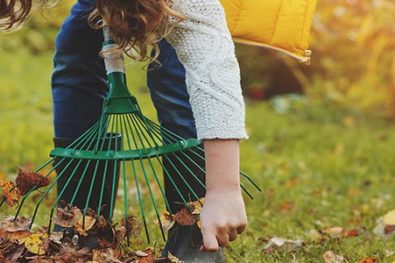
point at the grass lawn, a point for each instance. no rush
(320, 165)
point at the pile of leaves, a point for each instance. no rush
(83, 237)
(86, 238)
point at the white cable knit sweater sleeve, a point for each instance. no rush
(204, 46)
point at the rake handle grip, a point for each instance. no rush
(113, 56)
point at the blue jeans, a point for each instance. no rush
(79, 87)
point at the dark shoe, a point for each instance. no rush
(184, 242)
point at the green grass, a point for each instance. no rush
(320, 164)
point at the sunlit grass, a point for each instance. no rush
(320, 165)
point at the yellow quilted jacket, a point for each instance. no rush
(283, 25)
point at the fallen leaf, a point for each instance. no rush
(37, 243)
(389, 218)
(67, 216)
(184, 217)
(148, 257)
(196, 206)
(334, 232)
(314, 235)
(351, 233)
(69, 254)
(174, 259)
(105, 256)
(84, 224)
(368, 260)
(27, 180)
(330, 257)
(288, 245)
(167, 220)
(385, 225)
(10, 192)
(12, 252)
(10, 224)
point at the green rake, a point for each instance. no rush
(127, 144)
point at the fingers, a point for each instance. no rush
(232, 234)
(241, 228)
(210, 240)
(220, 236)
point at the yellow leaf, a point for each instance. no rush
(81, 228)
(173, 258)
(389, 218)
(167, 220)
(197, 206)
(37, 243)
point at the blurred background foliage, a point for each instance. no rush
(353, 62)
(353, 44)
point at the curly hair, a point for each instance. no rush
(136, 25)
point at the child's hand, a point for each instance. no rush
(223, 217)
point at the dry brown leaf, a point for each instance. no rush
(277, 243)
(368, 260)
(351, 233)
(18, 236)
(69, 254)
(105, 256)
(9, 224)
(184, 217)
(67, 217)
(149, 256)
(330, 257)
(335, 232)
(26, 180)
(12, 252)
(10, 192)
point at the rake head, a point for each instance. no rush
(122, 144)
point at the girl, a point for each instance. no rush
(196, 92)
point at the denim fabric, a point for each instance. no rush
(79, 87)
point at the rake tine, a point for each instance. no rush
(202, 158)
(138, 187)
(140, 201)
(246, 192)
(125, 199)
(78, 188)
(172, 182)
(93, 180)
(81, 139)
(148, 185)
(251, 181)
(46, 193)
(154, 173)
(182, 178)
(105, 177)
(60, 195)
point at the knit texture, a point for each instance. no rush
(204, 46)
